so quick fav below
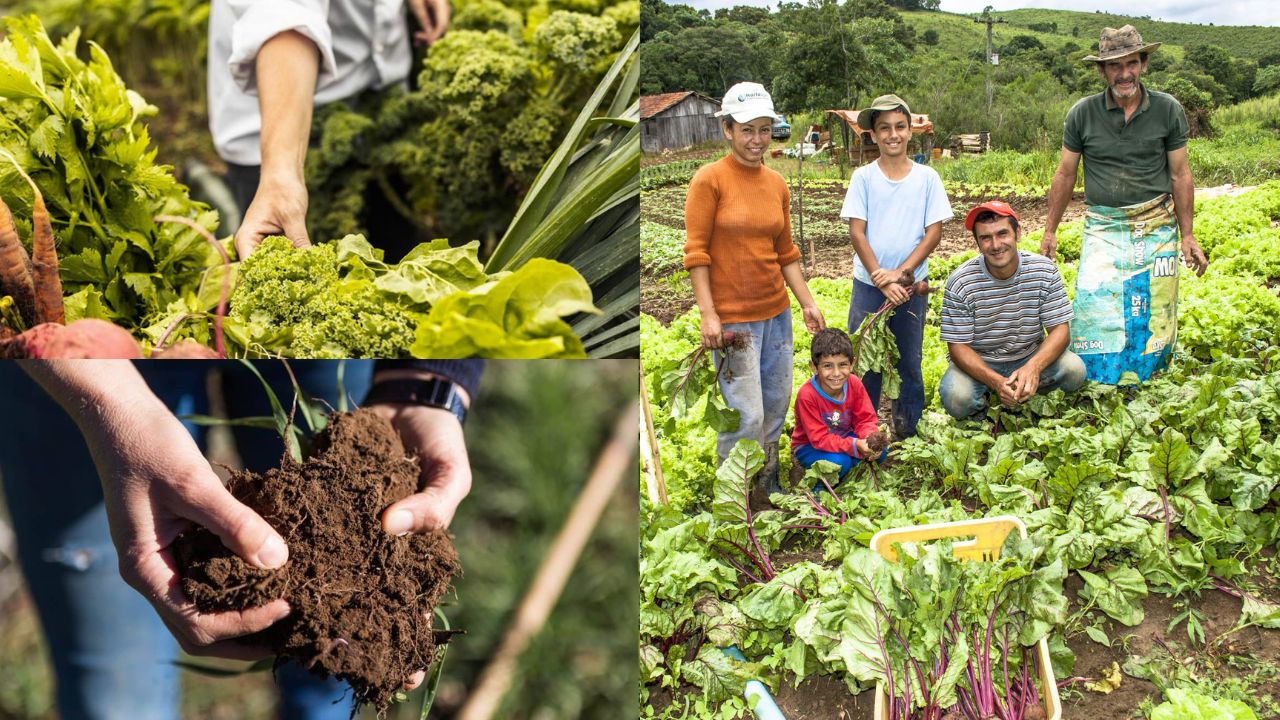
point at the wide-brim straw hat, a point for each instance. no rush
(1119, 43)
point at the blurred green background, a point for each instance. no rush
(533, 434)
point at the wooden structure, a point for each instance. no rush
(971, 143)
(857, 147)
(671, 121)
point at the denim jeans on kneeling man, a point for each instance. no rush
(964, 397)
(757, 383)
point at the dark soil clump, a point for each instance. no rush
(362, 600)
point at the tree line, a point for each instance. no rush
(824, 54)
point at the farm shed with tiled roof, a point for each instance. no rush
(677, 120)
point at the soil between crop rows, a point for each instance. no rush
(362, 600)
(832, 250)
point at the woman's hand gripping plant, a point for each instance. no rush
(685, 382)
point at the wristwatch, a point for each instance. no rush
(431, 392)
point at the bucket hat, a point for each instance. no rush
(1119, 43)
(881, 104)
(747, 101)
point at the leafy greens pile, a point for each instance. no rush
(339, 300)
(77, 130)
(492, 101)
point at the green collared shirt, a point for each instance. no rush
(1125, 163)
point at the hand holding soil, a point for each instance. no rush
(876, 443)
(363, 599)
(156, 483)
(151, 496)
(435, 437)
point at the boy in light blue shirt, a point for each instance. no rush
(895, 209)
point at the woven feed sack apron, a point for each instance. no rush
(1126, 303)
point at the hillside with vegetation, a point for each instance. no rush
(827, 55)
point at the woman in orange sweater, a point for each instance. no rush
(741, 260)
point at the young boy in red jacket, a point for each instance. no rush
(834, 415)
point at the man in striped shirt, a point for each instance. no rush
(1004, 319)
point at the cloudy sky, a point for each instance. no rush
(1232, 12)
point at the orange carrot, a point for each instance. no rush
(44, 263)
(44, 256)
(15, 269)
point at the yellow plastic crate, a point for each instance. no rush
(987, 536)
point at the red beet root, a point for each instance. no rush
(877, 441)
(735, 340)
(82, 339)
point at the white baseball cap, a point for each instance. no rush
(747, 101)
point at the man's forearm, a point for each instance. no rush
(968, 360)
(1059, 196)
(1184, 202)
(102, 397)
(90, 390)
(287, 67)
(1051, 349)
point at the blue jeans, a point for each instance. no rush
(757, 383)
(808, 455)
(964, 397)
(907, 325)
(112, 655)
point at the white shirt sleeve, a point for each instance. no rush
(855, 199)
(257, 21)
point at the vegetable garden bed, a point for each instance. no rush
(557, 214)
(1182, 595)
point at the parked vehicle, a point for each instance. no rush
(781, 129)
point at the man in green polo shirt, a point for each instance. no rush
(1140, 194)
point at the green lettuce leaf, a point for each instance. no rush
(1190, 705)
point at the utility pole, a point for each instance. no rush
(987, 20)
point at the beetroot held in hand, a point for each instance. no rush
(362, 600)
(735, 340)
(877, 441)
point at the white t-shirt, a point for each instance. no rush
(363, 44)
(896, 211)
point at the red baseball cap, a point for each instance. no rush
(998, 207)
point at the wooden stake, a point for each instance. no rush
(649, 452)
(615, 460)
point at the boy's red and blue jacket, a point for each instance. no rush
(832, 425)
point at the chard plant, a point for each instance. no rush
(956, 639)
(693, 381)
(740, 545)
